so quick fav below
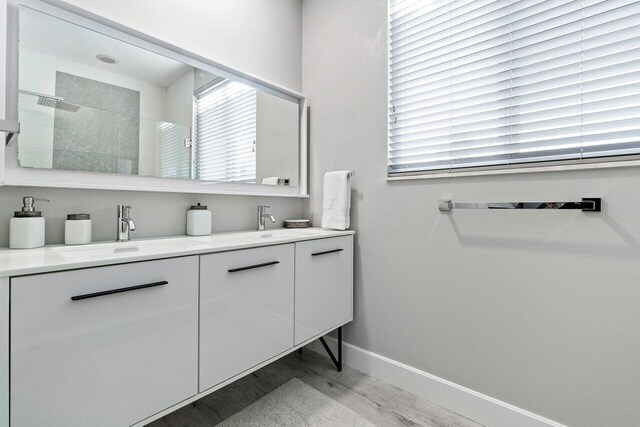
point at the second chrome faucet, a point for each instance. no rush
(125, 224)
(262, 214)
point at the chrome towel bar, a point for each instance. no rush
(586, 205)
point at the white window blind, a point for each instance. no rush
(225, 133)
(503, 83)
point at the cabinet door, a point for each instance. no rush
(246, 310)
(103, 358)
(324, 286)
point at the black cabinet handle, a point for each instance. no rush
(327, 252)
(249, 267)
(119, 290)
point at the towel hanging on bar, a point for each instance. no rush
(336, 203)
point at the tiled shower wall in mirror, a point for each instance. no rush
(103, 134)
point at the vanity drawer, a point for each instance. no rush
(246, 310)
(105, 346)
(324, 286)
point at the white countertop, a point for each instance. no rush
(17, 262)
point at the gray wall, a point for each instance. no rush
(539, 309)
(258, 37)
(276, 138)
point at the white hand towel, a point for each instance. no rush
(336, 204)
(271, 180)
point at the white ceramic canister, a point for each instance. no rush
(198, 221)
(77, 229)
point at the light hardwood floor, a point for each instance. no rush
(379, 402)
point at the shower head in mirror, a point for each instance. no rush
(58, 104)
(52, 101)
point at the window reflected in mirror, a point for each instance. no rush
(225, 144)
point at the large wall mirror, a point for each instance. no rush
(91, 102)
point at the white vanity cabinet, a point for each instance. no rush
(106, 346)
(119, 335)
(324, 286)
(246, 310)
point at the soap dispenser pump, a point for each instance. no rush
(27, 226)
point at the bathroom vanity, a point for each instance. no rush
(119, 334)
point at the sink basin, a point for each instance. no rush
(296, 232)
(260, 236)
(125, 249)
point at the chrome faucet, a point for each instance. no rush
(125, 223)
(262, 214)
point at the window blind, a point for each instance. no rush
(173, 156)
(504, 83)
(225, 133)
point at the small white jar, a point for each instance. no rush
(77, 229)
(198, 221)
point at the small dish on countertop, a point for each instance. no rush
(296, 223)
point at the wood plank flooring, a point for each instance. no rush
(379, 402)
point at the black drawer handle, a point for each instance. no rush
(249, 267)
(327, 252)
(119, 290)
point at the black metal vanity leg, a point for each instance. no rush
(338, 361)
(340, 349)
(300, 350)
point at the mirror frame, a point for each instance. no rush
(17, 176)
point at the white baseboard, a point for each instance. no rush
(476, 406)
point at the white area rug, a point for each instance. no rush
(295, 404)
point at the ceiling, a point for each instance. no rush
(58, 38)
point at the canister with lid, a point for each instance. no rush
(198, 221)
(77, 229)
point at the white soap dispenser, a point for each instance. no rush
(27, 226)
